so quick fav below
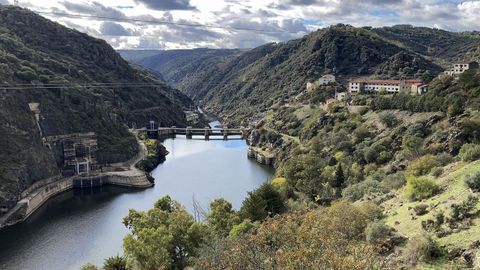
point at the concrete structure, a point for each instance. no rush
(460, 68)
(326, 79)
(342, 96)
(189, 132)
(252, 153)
(152, 128)
(78, 151)
(389, 86)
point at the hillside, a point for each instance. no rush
(185, 69)
(238, 88)
(441, 45)
(54, 66)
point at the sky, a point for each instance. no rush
(167, 24)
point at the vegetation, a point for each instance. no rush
(419, 188)
(35, 52)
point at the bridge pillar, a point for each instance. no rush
(188, 133)
(207, 134)
(244, 134)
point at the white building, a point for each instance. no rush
(326, 79)
(389, 86)
(461, 68)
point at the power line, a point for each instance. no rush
(162, 22)
(88, 86)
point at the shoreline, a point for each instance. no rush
(35, 199)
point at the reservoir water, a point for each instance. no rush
(79, 227)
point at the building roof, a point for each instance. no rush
(387, 81)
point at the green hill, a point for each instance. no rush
(35, 53)
(240, 86)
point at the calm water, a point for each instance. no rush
(79, 227)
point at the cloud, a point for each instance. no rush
(276, 20)
(93, 8)
(113, 29)
(167, 4)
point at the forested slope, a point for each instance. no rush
(46, 63)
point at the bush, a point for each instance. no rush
(115, 263)
(473, 181)
(357, 191)
(419, 188)
(388, 119)
(394, 181)
(423, 165)
(470, 152)
(89, 266)
(436, 172)
(377, 231)
(422, 249)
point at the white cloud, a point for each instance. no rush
(278, 20)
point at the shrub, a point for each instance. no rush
(470, 152)
(419, 188)
(473, 181)
(115, 263)
(436, 172)
(89, 266)
(422, 249)
(377, 231)
(394, 181)
(389, 119)
(420, 209)
(357, 191)
(464, 210)
(423, 165)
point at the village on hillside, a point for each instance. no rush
(389, 86)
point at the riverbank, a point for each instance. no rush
(261, 156)
(124, 174)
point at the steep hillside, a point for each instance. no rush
(43, 62)
(240, 87)
(444, 46)
(185, 69)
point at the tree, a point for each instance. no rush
(339, 180)
(261, 203)
(221, 217)
(115, 263)
(161, 238)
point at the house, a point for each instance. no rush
(460, 68)
(388, 86)
(342, 96)
(326, 79)
(419, 88)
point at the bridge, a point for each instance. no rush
(189, 132)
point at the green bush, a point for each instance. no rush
(423, 165)
(473, 181)
(377, 231)
(357, 191)
(422, 249)
(394, 181)
(419, 188)
(436, 172)
(389, 119)
(470, 152)
(115, 263)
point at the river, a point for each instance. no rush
(79, 227)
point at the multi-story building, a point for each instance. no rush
(326, 79)
(388, 86)
(460, 68)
